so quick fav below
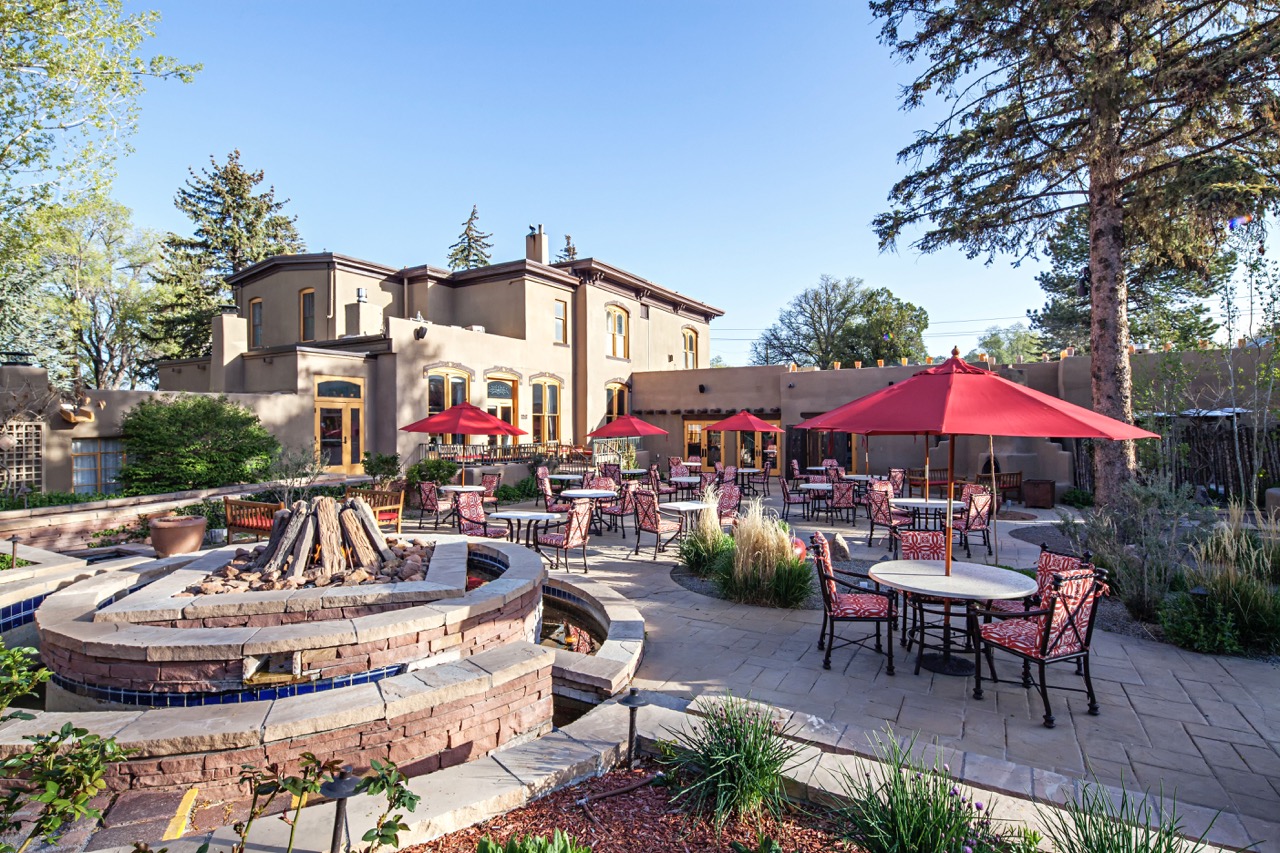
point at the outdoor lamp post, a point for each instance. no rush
(633, 702)
(340, 789)
(13, 557)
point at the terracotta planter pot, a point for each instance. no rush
(177, 534)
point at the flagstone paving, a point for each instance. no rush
(1205, 728)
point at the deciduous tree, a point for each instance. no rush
(1160, 119)
(235, 224)
(1009, 345)
(840, 320)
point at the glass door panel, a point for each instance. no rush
(357, 450)
(329, 434)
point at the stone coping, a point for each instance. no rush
(66, 618)
(615, 663)
(184, 731)
(157, 602)
(50, 576)
(461, 796)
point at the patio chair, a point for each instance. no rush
(795, 471)
(490, 482)
(835, 474)
(830, 462)
(656, 485)
(760, 482)
(677, 469)
(863, 602)
(549, 501)
(730, 502)
(574, 532)
(672, 462)
(789, 500)
(1060, 630)
(471, 518)
(718, 466)
(844, 501)
(729, 474)
(612, 470)
(694, 462)
(921, 545)
(649, 520)
(883, 514)
(616, 512)
(429, 502)
(898, 479)
(1050, 563)
(975, 519)
(707, 479)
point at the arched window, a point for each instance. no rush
(690, 349)
(255, 323)
(618, 329)
(615, 401)
(307, 315)
(501, 402)
(447, 388)
(546, 410)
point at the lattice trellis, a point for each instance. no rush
(25, 462)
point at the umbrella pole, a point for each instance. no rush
(951, 466)
(926, 476)
(995, 496)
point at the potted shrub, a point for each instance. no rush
(177, 534)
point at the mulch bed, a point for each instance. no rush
(705, 586)
(639, 821)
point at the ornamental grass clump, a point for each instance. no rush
(729, 765)
(902, 805)
(1094, 822)
(762, 567)
(706, 541)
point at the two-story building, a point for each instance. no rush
(343, 352)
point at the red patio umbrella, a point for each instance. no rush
(627, 426)
(464, 419)
(955, 398)
(744, 421)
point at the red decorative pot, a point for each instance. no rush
(799, 548)
(177, 534)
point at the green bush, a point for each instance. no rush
(902, 805)
(1078, 498)
(6, 562)
(700, 552)
(438, 471)
(558, 843)
(1205, 627)
(35, 500)
(1092, 822)
(192, 442)
(382, 467)
(730, 763)
(526, 489)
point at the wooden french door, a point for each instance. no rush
(339, 424)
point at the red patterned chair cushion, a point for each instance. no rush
(664, 526)
(1008, 605)
(857, 605)
(1019, 635)
(387, 515)
(256, 522)
(472, 529)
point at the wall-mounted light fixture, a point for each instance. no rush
(419, 333)
(702, 389)
(362, 294)
(791, 384)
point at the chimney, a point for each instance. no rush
(535, 246)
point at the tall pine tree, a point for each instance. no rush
(472, 248)
(1166, 303)
(1161, 119)
(569, 252)
(235, 225)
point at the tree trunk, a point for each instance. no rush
(1114, 462)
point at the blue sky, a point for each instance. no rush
(731, 151)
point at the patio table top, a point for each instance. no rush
(592, 494)
(969, 581)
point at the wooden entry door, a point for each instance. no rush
(339, 424)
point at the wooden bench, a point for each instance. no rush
(937, 480)
(1010, 481)
(253, 518)
(387, 506)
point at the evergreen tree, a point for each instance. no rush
(569, 252)
(235, 225)
(472, 248)
(1160, 119)
(1166, 303)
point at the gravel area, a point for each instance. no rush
(639, 821)
(1046, 534)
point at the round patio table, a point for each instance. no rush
(744, 475)
(861, 478)
(967, 582)
(685, 509)
(566, 478)
(686, 481)
(815, 487)
(920, 506)
(634, 472)
(817, 469)
(453, 510)
(520, 517)
(595, 496)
